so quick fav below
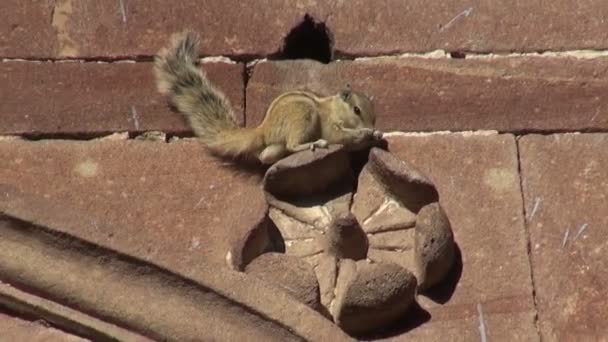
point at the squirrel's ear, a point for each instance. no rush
(346, 92)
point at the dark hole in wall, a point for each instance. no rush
(310, 39)
(458, 55)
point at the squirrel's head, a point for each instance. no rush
(361, 106)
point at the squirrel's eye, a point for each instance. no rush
(357, 110)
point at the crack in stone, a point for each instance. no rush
(253, 59)
(527, 232)
(386, 205)
(173, 136)
(54, 6)
(330, 307)
(389, 248)
(382, 206)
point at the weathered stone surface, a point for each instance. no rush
(139, 27)
(398, 208)
(178, 209)
(316, 224)
(144, 297)
(95, 98)
(565, 186)
(289, 274)
(258, 240)
(326, 269)
(371, 295)
(160, 201)
(476, 177)
(62, 317)
(434, 245)
(370, 196)
(16, 329)
(25, 31)
(389, 217)
(345, 239)
(307, 172)
(407, 26)
(422, 94)
(406, 184)
(397, 240)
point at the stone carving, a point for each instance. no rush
(103, 294)
(372, 240)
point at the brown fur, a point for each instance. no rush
(294, 121)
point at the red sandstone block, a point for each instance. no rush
(478, 183)
(93, 98)
(390, 26)
(170, 203)
(26, 30)
(564, 184)
(142, 27)
(430, 94)
(233, 27)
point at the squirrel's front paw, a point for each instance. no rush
(321, 143)
(378, 135)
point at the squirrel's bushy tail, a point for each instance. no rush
(207, 109)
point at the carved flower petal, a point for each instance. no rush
(405, 183)
(389, 216)
(290, 228)
(434, 245)
(303, 248)
(289, 273)
(307, 172)
(327, 271)
(369, 197)
(371, 295)
(314, 214)
(404, 259)
(398, 240)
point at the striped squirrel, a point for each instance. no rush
(295, 121)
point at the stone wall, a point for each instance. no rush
(501, 104)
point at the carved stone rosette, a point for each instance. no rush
(357, 248)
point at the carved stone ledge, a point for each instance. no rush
(373, 240)
(104, 294)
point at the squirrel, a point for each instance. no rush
(295, 121)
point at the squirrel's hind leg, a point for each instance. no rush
(272, 153)
(304, 133)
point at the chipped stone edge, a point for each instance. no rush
(10, 138)
(217, 59)
(116, 136)
(443, 54)
(424, 134)
(66, 319)
(124, 136)
(124, 60)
